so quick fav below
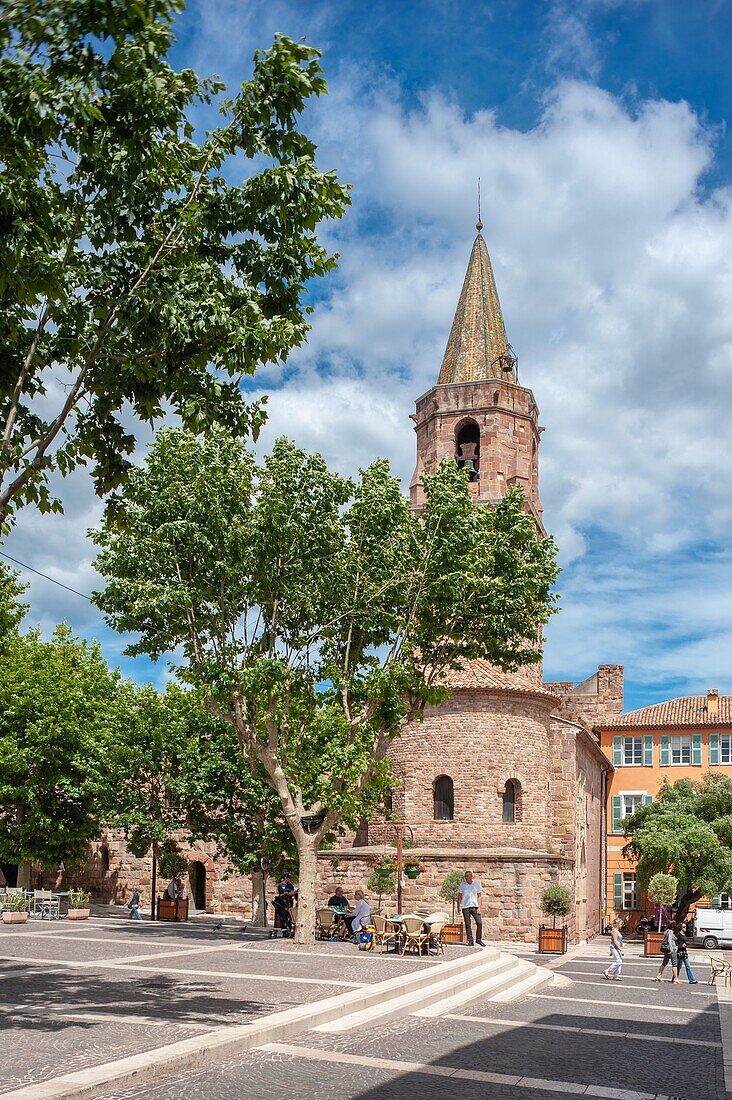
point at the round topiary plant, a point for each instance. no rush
(450, 888)
(381, 882)
(662, 889)
(170, 860)
(556, 901)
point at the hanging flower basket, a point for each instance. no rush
(384, 869)
(414, 870)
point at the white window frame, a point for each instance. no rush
(633, 763)
(725, 758)
(683, 741)
(632, 895)
(639, 795)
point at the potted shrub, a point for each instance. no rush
(452, 933)
(556, 901)
(382, 880)
(78, 905)
(15, 909)
(662, 890)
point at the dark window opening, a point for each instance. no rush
(444, 798)
(389, 803)
(467, 447)
(509, 802)
(104, 856)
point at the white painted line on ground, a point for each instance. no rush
(91, 964)
(651, 984)
(617, 1004)
(568, 1088)
(581, 1030)
(41, 1012)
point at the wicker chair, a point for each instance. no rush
(436, 937)
(415, 935)
(386, 932)
(719, 966)
(326, 923)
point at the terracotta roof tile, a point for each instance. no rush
(482, 675)
(689, 710)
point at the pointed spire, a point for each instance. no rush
(478, 348)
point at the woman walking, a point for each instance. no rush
(683, 954)
(669, 949)
(616, 951)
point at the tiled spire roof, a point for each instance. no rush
(477, 347)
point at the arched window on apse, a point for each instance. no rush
(509, 802)
(444, 798)
(104, 856)
(467, 449)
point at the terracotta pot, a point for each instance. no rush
(78, 914)
(652, 943)
(552, 941)
(15, 918)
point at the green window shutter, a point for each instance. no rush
(618, 890)
(714, 756)
(648, 750)
(696, 748)
(665, 750)
(717, 901)
(647, 799)
(617, 751)
(617, 823)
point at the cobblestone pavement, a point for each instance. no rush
(620, 1040)
(74, 996)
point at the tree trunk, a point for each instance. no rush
(154, 882)
(687, 900)
(307, 852)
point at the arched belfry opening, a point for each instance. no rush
(467, 449)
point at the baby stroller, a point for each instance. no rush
(282, 918)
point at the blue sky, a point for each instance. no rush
(599, 130)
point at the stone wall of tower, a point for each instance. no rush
(480, 739)
(594, 700)
(508, 421)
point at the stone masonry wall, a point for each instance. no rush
(480, 739)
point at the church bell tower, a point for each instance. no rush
(478, 413)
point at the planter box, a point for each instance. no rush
(14, 918)
(453, 933)
(173, 910)
(78, 914)
(552, 941)
(652, 943)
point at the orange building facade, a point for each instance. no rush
(680, 739)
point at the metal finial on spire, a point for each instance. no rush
(479, 223)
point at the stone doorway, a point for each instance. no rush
(197, 879)
(8, 874)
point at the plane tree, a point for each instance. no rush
(316, 613)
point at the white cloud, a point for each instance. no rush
(613, 267)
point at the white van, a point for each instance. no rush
(713, 927)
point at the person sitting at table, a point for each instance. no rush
(174, 889)
(339, 900)
(357, 918)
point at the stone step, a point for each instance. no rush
(509, 979)
(433, 988)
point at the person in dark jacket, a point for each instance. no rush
(134, 905)
(683, 954)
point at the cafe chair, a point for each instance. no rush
(415, 935)
(386, 932)
(326, 923)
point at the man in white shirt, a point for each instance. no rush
(469, 893)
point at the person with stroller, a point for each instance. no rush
(284, 902)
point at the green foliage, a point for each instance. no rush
(451, 886)
(12, 610)
(379, 883)
(171, 861)
(58, 718)
(663, 888)
(316, 614)
(15, 903)
(686, 832)
(135, 277)
(79, 899)
(556, 901)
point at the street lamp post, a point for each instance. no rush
(398, 830)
